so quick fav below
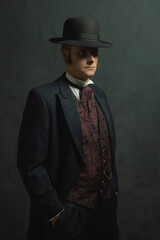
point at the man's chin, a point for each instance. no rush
(87, 75)
(90, 73)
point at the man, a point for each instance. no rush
(66, 153)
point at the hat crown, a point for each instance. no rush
(81, 31)
(81, 28)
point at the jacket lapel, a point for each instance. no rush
(71, 114)
(72, 117)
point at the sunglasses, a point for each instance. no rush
(84, 52)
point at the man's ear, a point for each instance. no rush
(65, 54)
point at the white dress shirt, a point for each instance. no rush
(78, 82)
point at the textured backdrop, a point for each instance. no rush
(130, 75)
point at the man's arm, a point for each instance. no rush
(32, 156)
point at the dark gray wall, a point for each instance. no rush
(129, 73)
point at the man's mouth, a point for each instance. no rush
(90, 68)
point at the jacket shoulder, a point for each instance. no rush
(98, 91)
(46, 88)
(49, 89)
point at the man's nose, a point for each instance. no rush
(90, 58)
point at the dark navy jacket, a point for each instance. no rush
(50, 151)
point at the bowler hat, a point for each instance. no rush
(81, 31)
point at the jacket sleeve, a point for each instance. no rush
(32, 158)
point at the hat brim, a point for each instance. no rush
(82, 42)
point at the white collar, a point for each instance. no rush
(78, 81)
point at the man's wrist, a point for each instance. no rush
(55, 217)
(53, 221)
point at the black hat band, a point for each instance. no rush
(81, 36)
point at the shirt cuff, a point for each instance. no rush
(55, 216)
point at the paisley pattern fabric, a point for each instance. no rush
(94, 182)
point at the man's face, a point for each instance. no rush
(83, 62)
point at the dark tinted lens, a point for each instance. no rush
(84, 52)
(94, 52)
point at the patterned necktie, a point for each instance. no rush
(86, 95)
(88, 103)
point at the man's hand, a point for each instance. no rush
(54, 220)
